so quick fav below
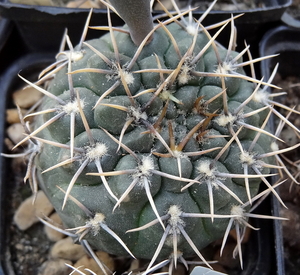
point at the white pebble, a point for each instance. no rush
(28, 212)
(66, 249)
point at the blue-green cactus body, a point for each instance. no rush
(160, 121)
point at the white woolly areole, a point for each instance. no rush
(223, 120)
(184, 75)
(137, 114)
(261, 96)
(146, 167)
(191, 29)
(239, 211)
(74, 56)
(178, 154)
(204, 168)
(274, 146)
(96, 152)
(247, 158)
(179, 253)
(127, 76)
(95, 222)
(224, 68)
(175, 220)
(72, 107)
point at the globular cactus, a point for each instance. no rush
(155, 147)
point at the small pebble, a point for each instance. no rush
(291, 227)
(135, 264)
(55, 267)
(166, 3)
(20, 246)
(52, 234)
(28, 212)
(26, 98)
(12, 115)
(9, 144)
(84, 5)
(16, 132)
(88, 262)
(289, 136)
(66, 249)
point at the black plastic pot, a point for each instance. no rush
(42, 27)
(5, 30)
(28, 66)
(284, 41)
(291, 16)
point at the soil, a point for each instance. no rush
(27, 249)
(225, 5)
(294, 9)
(290, 192)
(220, 5)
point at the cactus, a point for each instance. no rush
(152, 141)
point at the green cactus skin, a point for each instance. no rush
(169, 146)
